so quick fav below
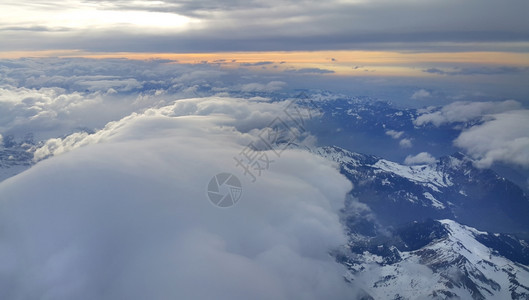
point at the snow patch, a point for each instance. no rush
(424, 174)
(435, 203)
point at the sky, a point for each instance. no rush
(391, 34)
(474, 47)
(135, 105)
(227, 26)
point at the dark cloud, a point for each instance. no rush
(34, 28)
(260, 63)
(310, 71)
(190, 8)
(307, 25)
(435, 71)
(478, 71)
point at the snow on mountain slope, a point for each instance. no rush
(455, 266)
(397, 251)
(339, 155)
(428, 175)
(423, 174)
(435, 203)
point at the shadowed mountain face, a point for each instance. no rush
(450, 188)
(438, 260)
(362, 124)
(397, 250)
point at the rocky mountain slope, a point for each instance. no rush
(406, 236)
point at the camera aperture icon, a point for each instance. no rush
(224, 190)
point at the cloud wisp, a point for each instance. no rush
(478, 71)
(420, 158)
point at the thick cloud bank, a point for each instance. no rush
(127, 217)
(491, 131)
(505, 138)
(207, 25)
(465, 112)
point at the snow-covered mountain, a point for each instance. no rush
(398, 251)
(453, 264)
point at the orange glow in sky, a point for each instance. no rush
(342, 63)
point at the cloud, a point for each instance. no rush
(245, 116)
(260, 63)
(126, 216)
(421, 158)
(496, 131)
(394, 134)
(434, 71)
(45, 109)
(260, 87)
(503, 138)
(465, 112)
(197, 26)
(406, 143)
(478, 71)
(33, 28)
(55, 97)
(310, 71)
(124, 85)
(421, 94)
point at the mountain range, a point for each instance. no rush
(406, 234)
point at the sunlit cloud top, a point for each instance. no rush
(220, 26)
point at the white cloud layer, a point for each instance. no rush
(55, 97)
(495, 131)
(465, 112)
(242, 114)
(127, 217)
(505, 138)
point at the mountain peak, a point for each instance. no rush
(455, 260)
